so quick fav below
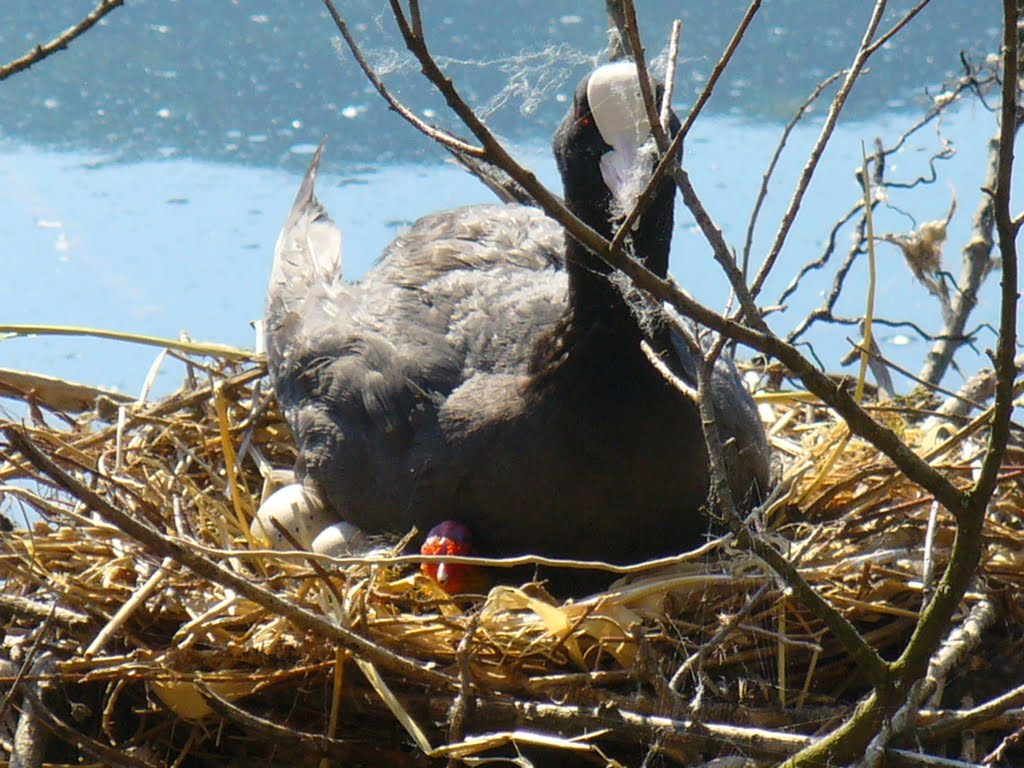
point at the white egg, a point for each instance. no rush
(340, 540)
(298, 510)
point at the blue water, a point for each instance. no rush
(144, 173)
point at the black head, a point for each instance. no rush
(605, 156)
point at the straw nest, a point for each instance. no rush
(144, 626)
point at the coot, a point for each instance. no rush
(488, 369)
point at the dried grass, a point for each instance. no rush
(167, 666)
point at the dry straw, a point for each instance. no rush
(169, 639)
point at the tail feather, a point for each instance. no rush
(307, 256)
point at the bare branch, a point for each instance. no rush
(974, 392)
(762, 192)
(977, 264)
(639, 59)
(838, 280)
(670, 74)
(669, 163)
(62, 41)
(821, 261)
(445, 139)
(852, 75)
(1006, 345)
(907, 18)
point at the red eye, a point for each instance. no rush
(586, 121)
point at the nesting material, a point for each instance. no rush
(295, 657)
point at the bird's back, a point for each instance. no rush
(363, 373)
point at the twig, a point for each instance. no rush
(669, 163)
(464, 703)
(971, 718)
(972, 395)
(130, 606)
(62, 41)
(907, 18)
(852, 75)
(869, 310)
(762, 192)
(627, 726)
(1006, 346)
(489, 562)
(670, 74)
(821, 261)
(23, 607)
(436, 134)
(964, 638)
(727, 627)
(215, 350)
(882, 360)
(639, 59)
(349, 750)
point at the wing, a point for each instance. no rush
(746, 447)
(363, 370)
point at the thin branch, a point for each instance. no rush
(960, 721)
(669, 163)
(852, 75)
(821, 261)
(728, 625)
(291, 738)
(762, 192)
(1006, 345)
(192, 347)
(894, 30)
(670, 74)
(975, 391)
(874, 352)
(62, 41)
(443, 138)
(719, 68)
(639, 59)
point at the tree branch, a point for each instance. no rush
(1005, 368)
(62, 41)
(852, 75)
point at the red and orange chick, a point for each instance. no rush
(453, 538)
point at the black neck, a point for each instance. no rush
(592, 296)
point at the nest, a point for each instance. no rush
(145, 627)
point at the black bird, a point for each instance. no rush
(489, 369)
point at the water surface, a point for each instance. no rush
(145, 171)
